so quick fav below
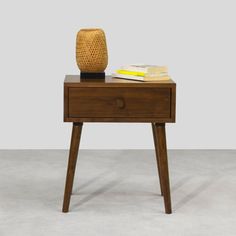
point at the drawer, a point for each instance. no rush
(98, 102)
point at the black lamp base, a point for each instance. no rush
(91, 75)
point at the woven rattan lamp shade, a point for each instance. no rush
(91, 50)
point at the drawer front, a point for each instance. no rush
(119, 102)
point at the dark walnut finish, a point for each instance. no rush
(118, 100)
(74, 147)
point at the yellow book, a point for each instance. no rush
(127, 72)
(141, 78)
(138, 73)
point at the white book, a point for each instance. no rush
(145, 68)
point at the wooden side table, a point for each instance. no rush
(117, 100)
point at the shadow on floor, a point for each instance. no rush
(94, 194)
(195, 193)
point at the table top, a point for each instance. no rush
(109, 81)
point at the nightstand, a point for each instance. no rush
(119, 100)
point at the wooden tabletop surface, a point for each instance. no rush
(109, 81)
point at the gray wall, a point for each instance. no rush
(196, 39)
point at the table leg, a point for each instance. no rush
(74, 147)
(157, 157)
(163, 161)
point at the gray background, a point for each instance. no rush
(196, 39)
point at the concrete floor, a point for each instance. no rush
(117, 193)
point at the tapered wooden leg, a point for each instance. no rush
(163, 164)
(157, 157)
(74, 147)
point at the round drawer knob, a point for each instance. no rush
(120, 103)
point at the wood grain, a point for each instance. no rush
(76, 81)
(114, 100)
(119, 102)
(163, 164)
(74, 147)
(157, 157)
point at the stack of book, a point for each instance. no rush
(142, 73)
